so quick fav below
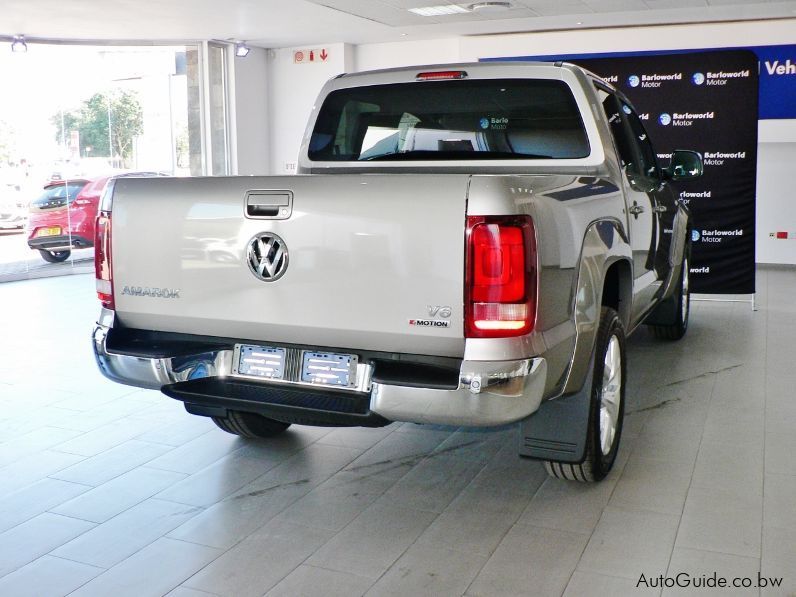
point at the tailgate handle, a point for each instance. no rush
(269, 205)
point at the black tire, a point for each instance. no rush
(681, 303)
(250, 425)
(55, 256)
(601, 448)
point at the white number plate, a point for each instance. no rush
(329, 368)
(261, 361)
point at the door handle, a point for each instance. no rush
(635, 209)
(660, 209)
(268, 204)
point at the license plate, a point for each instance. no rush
(261, 361)
(53, 231)
(329, 368)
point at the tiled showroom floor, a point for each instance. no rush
(111, 491)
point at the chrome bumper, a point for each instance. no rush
(489, 393)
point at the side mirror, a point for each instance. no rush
(684, 165)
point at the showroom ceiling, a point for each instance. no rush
(281, 23)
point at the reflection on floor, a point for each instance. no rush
(109, 490)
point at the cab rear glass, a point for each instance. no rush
(494, 119)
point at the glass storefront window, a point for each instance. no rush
(73, 115)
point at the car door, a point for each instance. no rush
(661, 195)
(639, 190)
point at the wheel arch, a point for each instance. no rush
(618, 288)
(605, 273)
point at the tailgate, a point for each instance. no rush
(374, 261)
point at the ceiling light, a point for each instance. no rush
(241, 49)
(19, 45)
(487, 7)
(440, 10)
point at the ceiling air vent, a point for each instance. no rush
(439, 10)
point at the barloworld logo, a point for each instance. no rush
(721, 77)
(687, 196)
(716, 236)
(484, 123)
(698, 78)
(718, 158)
(684, 118)
(695, 236)
(652, 79)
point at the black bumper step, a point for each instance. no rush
(300, 405)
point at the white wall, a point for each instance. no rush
(388, 55)
(671, 37)
(251, 138)
(292, 89)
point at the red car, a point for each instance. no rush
(62, 218)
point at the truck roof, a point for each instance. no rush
(479, 70)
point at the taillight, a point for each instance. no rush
(103, 267)
(501, 276)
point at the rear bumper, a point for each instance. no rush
(59, 243)
(488, 393)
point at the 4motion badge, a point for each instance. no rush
(443, 312)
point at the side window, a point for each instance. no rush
(632, 142)
(649, 160)
(617, 126)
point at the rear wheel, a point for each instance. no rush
(607, 405)
(249, 425)
(55, 256)
(682, 308)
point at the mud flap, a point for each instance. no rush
(664, 314)
(558, 430)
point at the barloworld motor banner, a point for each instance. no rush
(706, 101)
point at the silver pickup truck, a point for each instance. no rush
(465, 245)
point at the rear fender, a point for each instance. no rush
(604, 245)
(558, 430)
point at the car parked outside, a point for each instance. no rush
(12, 208)
(63, 218)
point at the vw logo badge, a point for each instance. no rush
(267, 256)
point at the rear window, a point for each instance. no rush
(58, 195)
(450, 120)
